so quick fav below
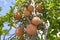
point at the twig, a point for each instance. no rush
(9, 29)
(28, 19)
(13, 36)
(5, 34)
(0, 37)
(10, 36)
(4, 37)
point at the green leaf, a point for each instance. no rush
(5, 31)
(57, 39)
(1, 27)
(50, 37)
(0, 9)
(54, 32)
(0, 32)
(51, 5)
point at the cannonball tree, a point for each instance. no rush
(37, 17)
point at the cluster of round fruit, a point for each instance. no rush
(31, 28)
(28, 12)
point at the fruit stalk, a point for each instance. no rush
(28, 20)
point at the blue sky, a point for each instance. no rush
(5, 4)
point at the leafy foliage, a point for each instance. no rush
(0, 8)
(51, 12)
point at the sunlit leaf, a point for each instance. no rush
(0, 8)
(5, 31)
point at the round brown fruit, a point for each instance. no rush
(17, 16)
(30, 8)
(19, 31)
(36, 20)
(31, 29)
(27, 13)
(39, 8)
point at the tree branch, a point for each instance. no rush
(46, 26)
(33, 4)
(5, 34)
(33, 37)
(10, 36)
